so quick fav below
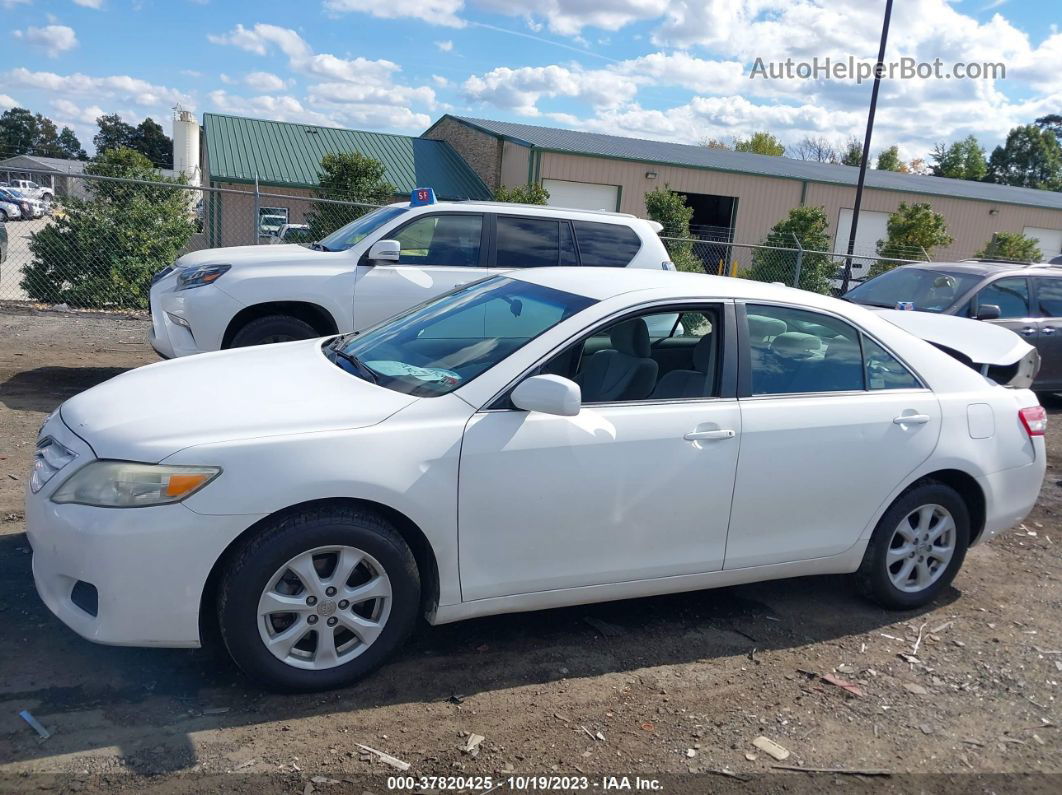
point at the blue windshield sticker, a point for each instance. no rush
(421, 197)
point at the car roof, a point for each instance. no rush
(982, 267)
(603, 283)
(523, 209)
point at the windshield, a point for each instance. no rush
(443, 344)
(356, 231)
(929, 290)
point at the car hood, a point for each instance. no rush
(152, 412)
(234, 255)
(983, 343)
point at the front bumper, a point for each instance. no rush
(206, 310)
(149, 566)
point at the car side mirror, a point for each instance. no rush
(549, 394)
(385, 251)
(988, 312)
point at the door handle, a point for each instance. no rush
(1028, 331)
(700, 436)
(911, 419)
(1047, 329)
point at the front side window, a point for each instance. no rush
(1011, 295)
(626, 362)
(444, 343)
(450, 240)
(358, 229)
(606, 245)
(533, 242)
(794, 350)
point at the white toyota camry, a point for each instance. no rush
(520, 443)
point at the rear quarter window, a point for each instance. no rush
(606, 245)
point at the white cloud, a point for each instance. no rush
(96, 4)
(445, 46)
(8, 102)
(569, 17)
(521, 89)
(13, 3)
(344, 93)
(70, 111)
(264, 81)
(121, 87)
(53, 39)
(682, 69)
(440, 81)
(435, 12)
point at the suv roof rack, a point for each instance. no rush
(490, 203)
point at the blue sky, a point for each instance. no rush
(647, 68)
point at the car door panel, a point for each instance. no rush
(616, 493)
(807, 487)
(1048, 297)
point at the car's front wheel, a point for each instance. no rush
(917, 547)
(318, 599)
(273, 328)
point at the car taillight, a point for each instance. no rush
(1034, 418)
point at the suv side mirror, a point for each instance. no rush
(385, 250)
(988, 312)
(549, 394)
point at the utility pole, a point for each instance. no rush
(879, 67)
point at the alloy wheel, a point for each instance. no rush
(324, 607)
(921, 548)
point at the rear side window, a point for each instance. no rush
(884, 371)
(606, 245)
(1049, 297)
(533, 243)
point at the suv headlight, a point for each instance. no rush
(197, 277)
(49, 458)
(124, 484)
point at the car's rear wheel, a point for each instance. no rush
(917, 547)
(273, 328)
(318, 599)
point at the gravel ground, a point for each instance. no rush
(959, 697)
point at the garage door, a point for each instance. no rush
(582, 195)
(1048, 240)
(872, 228)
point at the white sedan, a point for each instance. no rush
(525, 442)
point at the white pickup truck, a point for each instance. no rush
(31, 189)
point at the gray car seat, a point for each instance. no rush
(697, 382)
(624, 372)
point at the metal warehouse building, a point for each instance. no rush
(738, 196)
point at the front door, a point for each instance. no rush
(636, 486)
(439, 252)
(1049, 338)
(831, 423)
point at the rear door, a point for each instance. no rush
(1048, 298)
(831, 423)
(439, 252)
(531, 242)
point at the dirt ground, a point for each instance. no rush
(943, 699)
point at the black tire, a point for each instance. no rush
(257, 559)
(3, 217)
(873, 575)
(273, 328)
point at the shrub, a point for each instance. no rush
(1011, 246)
(810, 226)
(669, 209)
(348, 177)
(912, 232)
(522, 194)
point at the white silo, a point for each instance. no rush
(186, 145)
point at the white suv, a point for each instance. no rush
(384, 262)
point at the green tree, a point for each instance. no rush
(522, 194)
(889, 160)
(911, 230)
(70, 146)
(102, 252)
(964, 159)
(669, 209)
(1052, 122)
(852, 154)
(350, 177)
(46, 143)
(18, 132)
(811, 228)
(1011, 246)
(150, 140)
(1031, 157)
(113, 134)
(760, 143)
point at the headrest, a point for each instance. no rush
(760, 327)
(840, 349)
(631, 337)
(796, 345)
(702, 353)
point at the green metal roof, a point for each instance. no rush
(286, 154)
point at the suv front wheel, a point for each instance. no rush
(273, 328)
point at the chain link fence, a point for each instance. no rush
(99, 240)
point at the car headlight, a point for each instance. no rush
(197, 277)
(125, 484)
(49, 458)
